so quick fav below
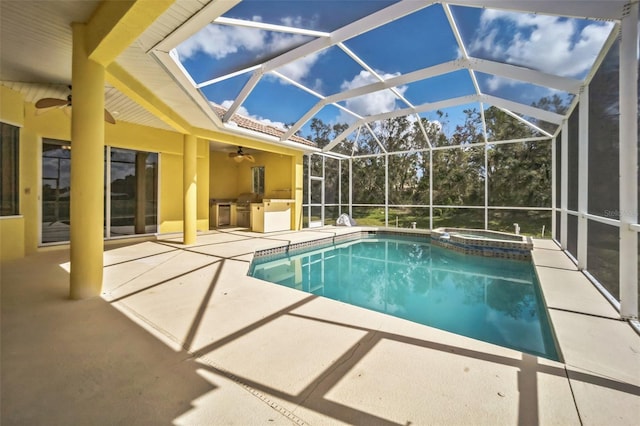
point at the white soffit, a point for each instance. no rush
(35, 39)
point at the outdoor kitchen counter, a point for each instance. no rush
(272, 214)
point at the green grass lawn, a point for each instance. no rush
(530, 223)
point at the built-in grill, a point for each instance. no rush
(243, 208)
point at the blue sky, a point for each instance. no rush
(553, 45)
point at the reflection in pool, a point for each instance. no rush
(494, 300)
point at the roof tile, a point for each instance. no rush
(255, 125)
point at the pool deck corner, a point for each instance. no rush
(182, 335)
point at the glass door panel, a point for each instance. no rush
(56, 191)
(134, 177)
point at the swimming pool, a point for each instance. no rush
(494, 300)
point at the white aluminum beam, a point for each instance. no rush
(194, 24)
(376, 19)
(431, 106)
(526, 122)
(386, 191)
(583, 177)
(629, 164)
(531, 139)
(269, 27)
(341, 136)
(322, 192)
(431, 190)
(399, 80)
(308, 116)
(375, 137)
(564, 183)
(486, 186)
(423, 130)
(554, 179)
(493, 100)
(244, 93)
(527, 75)
(298, 85)
(339, 187)
(350, 187)
(485, 134)
(309, 190)
(175, 69)
(609, 9)
(538, 113)
(454, 29)
(226, 76)
(402, 112)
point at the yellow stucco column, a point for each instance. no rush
(190, 188)
(297, 178)
(87, 171)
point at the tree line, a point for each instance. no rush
(517, 174)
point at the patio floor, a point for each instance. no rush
(182, 336)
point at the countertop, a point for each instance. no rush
(276, 200)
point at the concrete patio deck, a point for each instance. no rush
(182, 335)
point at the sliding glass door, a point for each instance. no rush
(131, 192)
(56, 190)
(133, 188)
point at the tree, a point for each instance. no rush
(518, 173)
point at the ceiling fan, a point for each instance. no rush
(63, 103)
(239, 156)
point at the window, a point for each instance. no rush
(257, 180)
(9, 158)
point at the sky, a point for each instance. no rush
(222, 57)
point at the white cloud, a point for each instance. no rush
(243, 111)
(371, 103)
(299, 69)
(221, 40)
(551, 44)
(495, 82)
(292, 21)
(281, 41)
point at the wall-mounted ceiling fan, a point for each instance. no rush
(239, 156)
(66, 103)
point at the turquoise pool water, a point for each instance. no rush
(494, 300)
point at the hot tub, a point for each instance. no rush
(481, 242)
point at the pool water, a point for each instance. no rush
(494, 300)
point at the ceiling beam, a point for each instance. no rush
(269, 27)
(375, 20)
(116, 24)
(139, 93)
(590, 9)
(526, 75)
(204, 17)
(530, 111)
(176, 70)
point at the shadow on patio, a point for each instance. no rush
(202, 343)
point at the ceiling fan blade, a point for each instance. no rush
(51, 102)
(233, 154)
(249, 158)
(108, 117)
